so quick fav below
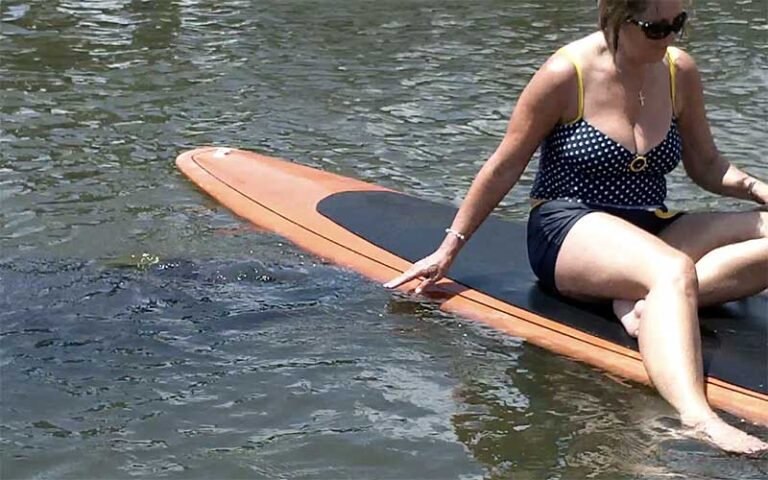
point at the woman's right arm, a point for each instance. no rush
(549, 98)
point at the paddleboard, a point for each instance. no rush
(379, 232)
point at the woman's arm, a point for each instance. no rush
(703, 162)
(544, 102)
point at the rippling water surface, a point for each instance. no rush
(147, 332)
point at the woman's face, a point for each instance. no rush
(639, 36)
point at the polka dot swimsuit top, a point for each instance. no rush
(580, 163)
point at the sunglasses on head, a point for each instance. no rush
(662, 29)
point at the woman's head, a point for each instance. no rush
(655, 20)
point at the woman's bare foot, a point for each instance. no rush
(729, 438)
(630, 313)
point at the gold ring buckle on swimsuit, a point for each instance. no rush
(638, 164)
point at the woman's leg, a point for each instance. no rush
(606, 257)
(730, 251)
(731, 255)
(733, 272)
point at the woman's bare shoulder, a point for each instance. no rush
(565, 62)
(683, 61)
(586, 49)
(564, 66)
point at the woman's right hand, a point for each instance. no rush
(430, 269)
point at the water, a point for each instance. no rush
(146, 332)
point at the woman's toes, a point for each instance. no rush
(629, 313)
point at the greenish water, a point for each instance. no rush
(146, 332)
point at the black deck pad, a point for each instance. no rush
(495, 262)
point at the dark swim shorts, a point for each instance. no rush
(550, 222)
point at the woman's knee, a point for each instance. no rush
(676, 271)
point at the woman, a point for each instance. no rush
(616, 111)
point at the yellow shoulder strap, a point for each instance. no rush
(671, 56)
(564, 51)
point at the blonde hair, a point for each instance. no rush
(613, 13)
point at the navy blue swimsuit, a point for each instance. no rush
(582, 170)
(580, 163)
